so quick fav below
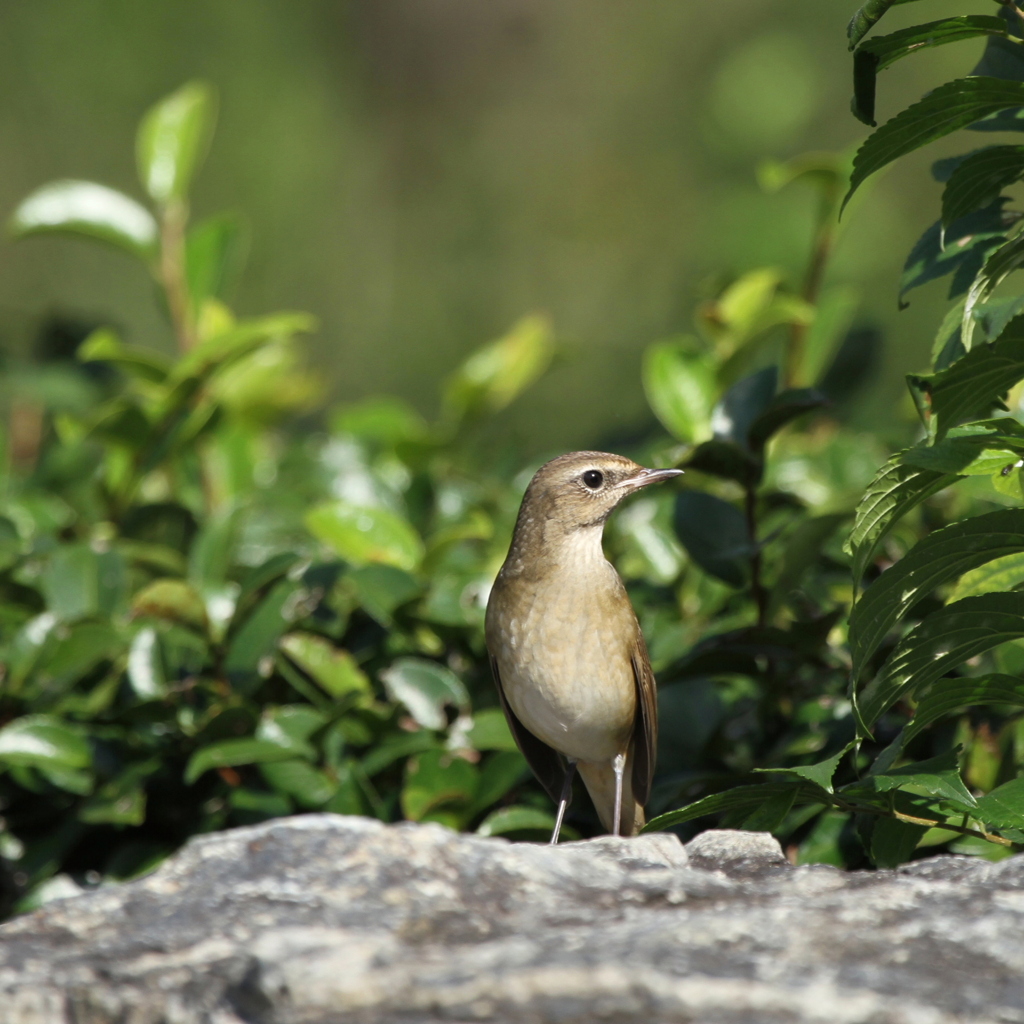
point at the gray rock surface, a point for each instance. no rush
(320, 918)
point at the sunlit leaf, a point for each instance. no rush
(680, 387)
(938, 777)
(93, 211)
(173, 139)
(1005, 573)
(1004, 806)
(516, 819)
(940, 557)
(425, 688)
(490, 731)
(363, 535)
(335, 670)
(940, 643)
(951, 106)
(819, 774)
(44, 741)
(736, 799)
(171, 599)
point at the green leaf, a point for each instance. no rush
(894, 841)
(742, 405)
(40, 741)
(173, 139)
(299, 779)
(425, 688)
(896, 490)
(145, 666)
(865, 17)
(977, 181)
(214, 252)
(490, 731)
(499, 372)
(104, 346)
(941, 642)
(1004, 806)
(735, 799)
(880, 52)
(383, 589)
(394, 749)
(784, 408)
(228, 753)
(1005, 573)
(257, 639)
(938, 777)
(498, 774)
(803, 547)
(516, 819)
(75, 655)
(819, 774)
(680, 388)
(434, 778)
(973, 384)
(947, 695)
(998, 265)
(171, 599)
(951, 106)
(364, 535)
(290, 727)
(770, 815)
(335, 670)
(715, 535)
(381, 418)
(93, 211)
(938, 558)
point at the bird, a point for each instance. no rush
(568, 657)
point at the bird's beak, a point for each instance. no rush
(648, 476)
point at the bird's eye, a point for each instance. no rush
(593, 478)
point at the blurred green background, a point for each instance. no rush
(421, 173)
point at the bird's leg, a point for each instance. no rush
(563, 801)
(618, 766)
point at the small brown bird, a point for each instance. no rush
(568, 657)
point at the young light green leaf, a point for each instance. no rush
(896, 490)
(947, 695)
(499, 372)
(941, 642)
(335, 670)
(680, 388)
(979, 179)
(880, 52)
(425, 688)
(938, 558)
(490, 731)
(951, 106)
(363, 535)
(91, 210)
(214, 252)
(173, 139)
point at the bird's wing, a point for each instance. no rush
(544, 760)
(645, 725)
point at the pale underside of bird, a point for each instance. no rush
(569, 659)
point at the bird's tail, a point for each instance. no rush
(599, 778)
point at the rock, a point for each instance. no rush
(321, 918)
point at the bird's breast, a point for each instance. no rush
(563, 645)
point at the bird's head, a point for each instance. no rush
(582, 489)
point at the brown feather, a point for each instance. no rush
(645, 725)
(545, 762)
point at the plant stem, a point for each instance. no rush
(172, 272)
(756, 585)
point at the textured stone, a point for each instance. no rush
(320, 918)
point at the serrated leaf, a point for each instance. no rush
(819, 774)
(363, 535)
(880, 52)
(91, 210)
(680, 388)
(999, 264)
(979, 179)
(172, 141)
(940, 643)
(973, 384)
(896, 490)
(1000, 574)
(951, 106)
(942, 556)
(1004, 806)
(947, 695)
(938, 777)
(865, 18)
(737, 798)
(425, 688)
